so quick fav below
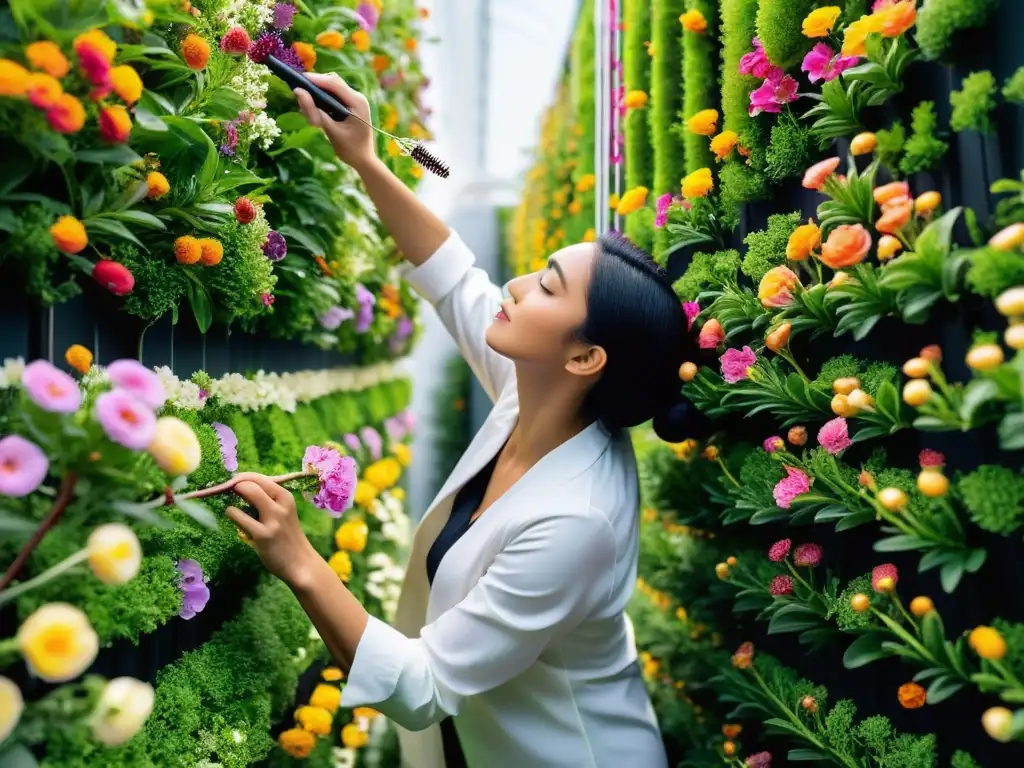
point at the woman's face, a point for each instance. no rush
(538, 321)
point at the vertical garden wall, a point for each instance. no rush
(833, 576)
(191, 285)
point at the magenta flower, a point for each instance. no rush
(773, 444)
(834, 437)
(884, 571)
(759, 760)
(321, 460)
(756, 63)
(283, 15)
(711, 334)
(408, 419)
(778, 551)
(930, 458)
(781, 585)
(796, 483)
(230, 143)
(335, 316)
(126, 420)
(366, 301)
(736, 363)
(776, 90)
(276, 247)
(228, 446)
(807, 555)
(23, 466)
(194, 592)
(50, 388)
(138, 381)
(337, 476)
(352, 442)
(372, 440)
(692, 309)
(822, 63)
(267, 299)
(664, 203)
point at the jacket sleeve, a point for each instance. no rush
(551, 576)
(467, 301)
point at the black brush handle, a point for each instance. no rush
(323, 100)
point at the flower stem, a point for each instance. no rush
(64, 497)
(727, 473)
(227, 485)
(788, 357)
(48, 575)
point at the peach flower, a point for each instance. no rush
(846, 245)
(816, 175)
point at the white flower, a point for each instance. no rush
(343, 758)
(379, 560)
(10, 373)
(185, 394)
(265, 129)
(251, 84)
(379, 511)
(122, 710)
(237, 736)
(254, 15)
(115, 555)
(375, 590)
(11, 706)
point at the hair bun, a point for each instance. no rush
(682, 420)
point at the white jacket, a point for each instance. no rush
(522, 637)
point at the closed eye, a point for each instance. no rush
(544, 288)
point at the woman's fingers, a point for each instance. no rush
(333, 84)
(253, 493)
(308, 108)
(252, 528)
(272, 489)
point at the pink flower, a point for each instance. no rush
(759, 760)
(756, 63)
(807, 555)
(352, 442)
(372, 440)
(796, 483)
(884, 571)
(136, 379)
(228, 446)
(395, 429)
(776, 90)
(337, 488)
(321, 460)
(664, 203)
(773, 444)
(781, 585)
(267, 299)
(194, 592)
(930, 458)
(822, 63)
(126, 420)
(834, 437)
(815, 176)
(692, 309)
(50, 388)
(778, 551)
(736, 363)
(711, 334)
(23, 466)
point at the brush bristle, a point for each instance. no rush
(432, 163)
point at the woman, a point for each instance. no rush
(510, 629)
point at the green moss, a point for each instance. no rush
(1013, 88)
(248, 454)
(963, 759)
(278, 445)
(700, 84)
(992, 272)
(160, 282)
(973, 103)
(789, 150)
(840, 611)
(707, 270)
(938, 20)
(309, 427)
(923, 149)
(779, 30)
(636, 71)
(211, 469)
(767, 249)
(890, 146)
(994, 497)
(581, 93)
(740, 183)
(245, 273)
(640, 228)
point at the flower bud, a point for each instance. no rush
(122, 710)
(722, 571)
(729, 748)
(841, 407)
(916, 368)
(731, 561)
(846, 385)
(866, 480)
(932, 483)
(927, 202)
(687, 371)
(1010, 303)
(1014, 336)
(917, 392)
(987, 643)
(1009, 238)
(777, 339)
(860, 400)
(797, 436)
(809, 703)
(888, 246)
(932, 353)
(115, 555)
(175, 447)
(921, 606)
(860, 602)
(998, 723)
(985, 357)
(893, 499)
(863, 144)
(838, 279)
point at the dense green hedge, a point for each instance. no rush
(636, 66)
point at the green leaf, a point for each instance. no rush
(138, 217)
(225, 104)
(793, 618)
(149, 121)
(976, 394)
(933, 634)
(806, 755)
(950, 575)
(122, 154)
(900, 543)
(11, 525)
(942, 688)
(975, 560)
(202, 305)
(110, 231)
(864, 650)
(196, 511)
(1011, 432)
(143, 512)
(934, 241)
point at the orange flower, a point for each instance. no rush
(887, 192)
(927, 202)
(863, 143)
(744, 656)
(43, 90)
(47, 56)
(297, 742)
(724, 143)
(79, 358)
(636, 99)
(778, 338)
(306, 54)
(115, 124)
(126, 83)
(424, 13)
(156, 185)
(898, 18)
(694, 21)
(212, 252)
(361, 40)
(704, 122)
(331, 39)
(776, 287)
(894, 218)
(731, 731)
(803, 242)
(816, 175)
(846, 245)
(410, 44)
(69, 235)
(380, 63)
(195, 51)
(911, 696)
(187, 250)
(13, 78)
(97, 40)
(67, 115)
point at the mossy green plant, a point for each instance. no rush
(700, 83)
(767, 249)
(924, 149)
(890, 146)
(707, 270)
(276, 441)
(973, 103)
(991, 272)
(581, 92)
(1013, 88)
(939, 20)
(789, 149)
(636, 72)
(779, 29)
(994, 496)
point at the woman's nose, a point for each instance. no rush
(513, 288)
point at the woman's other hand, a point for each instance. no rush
(276, 536)
(352, 140)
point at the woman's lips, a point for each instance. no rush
(501, 315)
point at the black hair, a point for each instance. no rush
(636, 317)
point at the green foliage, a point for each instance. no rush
(244, 274)
(640, 228)
(452, 426)
(899, 750)
(991, 272)
(700, 84)
(276, 441)
(666, 100)
(30, 250)
(1013, 88)
(891, 141)
(707, 270)
(248, 454)
(767, 249)
(994, 497)
(923, 150)
(789, 150)
(581, 89)
(636, 71)
(779, 29)
(973, 103)
(938, 20)
(963, 759)
(740, 183)
(160, 283)
(845, 617)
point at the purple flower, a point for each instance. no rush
(337, 476)
(369, 16)
(276, 247)
(757, 62)
(834, 437)
(776, 90)
(692, 309)
(664, 203)
(230, 139)
(408, 419)
(321, 460)
(395, 429)
(23, 466)
(283, 15)
(126, 419)
(736, 363)
(352, 443)
(796, 483)
(335, 316)
(289, 57)
(136, 379)
(373, 442)
(50, 388)
(228, 446)
(194, 592)
(773, 444)
(401, 334)
(267, 44)
(364, 316)
(822, 63)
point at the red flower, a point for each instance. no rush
(245, 211)
(744, 656)
(930, 458)
(781, 585)
(884, 577)
(807, 555)
(779, 550)
(236, 40)
(95, 65)
(114, 277)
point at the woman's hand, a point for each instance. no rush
(276, 536)
(352, 139)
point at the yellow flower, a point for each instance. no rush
(613, 200)
(987, 643)
(314, 719)
(698, 184)
(98, 40)
(11, 706)
(48, 57)
(365, 713)
(704, 123)
(79, 358)
(58, 642)
(331, 39)
(297, 742)
(332, 674)
(383, 473)
(126, 83)
(863, 143)
(888, 246)
(361, 40)
(586, 182)
(354, 737)
(856, 34)
(327, 697)
(636, 99)
(575, 207)
(351, 536)
(175, 447)
(122, 710)
(694, 21)
(724, 143)
(803, 242)
(398, 493)
(927, 202)
(820, 21)
(69, 235)
(633, 200)
(403, 453)
(341, 564)
(589, 236)
(14, 78)
(115, 555)
(156, 185)
(681, 613)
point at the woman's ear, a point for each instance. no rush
(588, 361)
